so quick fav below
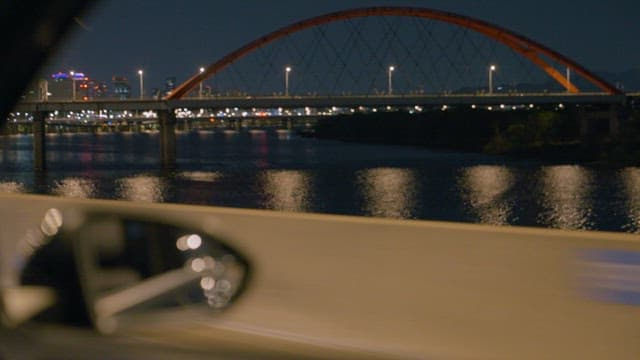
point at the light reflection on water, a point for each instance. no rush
(286, 190)
(75, 188)
(141, 188)
(12, 187)
(264, 169)
(484, 188)
(566, 194)
(283, 134)
(202, 176)
(388, 192)
(631, 180)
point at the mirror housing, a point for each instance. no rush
(20, 303)
(107, 265)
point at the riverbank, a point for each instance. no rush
(554, 136)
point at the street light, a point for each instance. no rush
(568, 79)
(141, 73)
(201, 71)
(287, 70)
(390, 79)
(73, 80)
(492, 69)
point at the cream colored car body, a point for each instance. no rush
(347, 287)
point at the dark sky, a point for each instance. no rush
(175, 37)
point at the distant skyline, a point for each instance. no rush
(174, 38)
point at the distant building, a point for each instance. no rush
(88, 89)
(169, 85)
(121, 87)
(38, 90)
(61, 86)
(155, 93)
(98, 89)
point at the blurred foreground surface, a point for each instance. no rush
(343, 287)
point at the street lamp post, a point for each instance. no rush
(73, 84)
(390, 79)
(141, 73)
(568, 79)
(201, 71)
(492, 69)
(287, 70)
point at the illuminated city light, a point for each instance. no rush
(51, 222)
(198, 265)
(207, 283)
(194, 241)
(181, 243)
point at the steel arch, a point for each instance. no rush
(519, 43)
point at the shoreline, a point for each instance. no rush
(549, 136)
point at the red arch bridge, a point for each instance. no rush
(379, 57)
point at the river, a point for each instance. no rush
(269, 169)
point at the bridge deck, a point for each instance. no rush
(324, 101)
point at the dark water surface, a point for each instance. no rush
(277, 170)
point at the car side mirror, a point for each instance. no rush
(104, 266)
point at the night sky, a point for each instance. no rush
(175, 37)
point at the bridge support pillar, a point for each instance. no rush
(616, 114)
(39, 141)
(585, 120)
(167, 121)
